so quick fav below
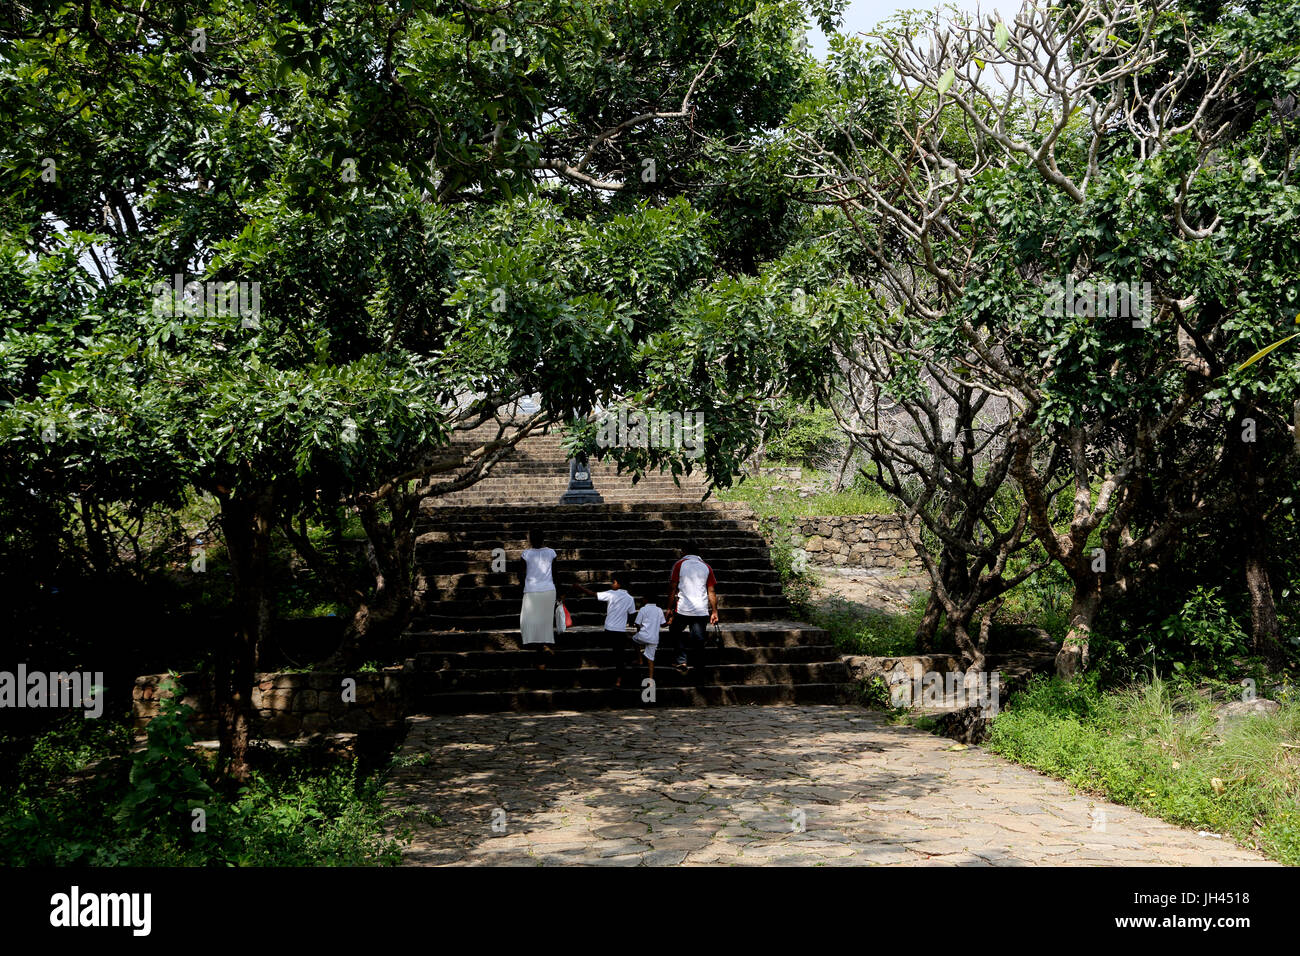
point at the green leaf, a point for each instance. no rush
(945, 81)
(1000, 35)
(1265, 350)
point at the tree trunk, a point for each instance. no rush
(375, 626)
(95, 542)
(844, 467)
(246, 526)
(972, 651)
(1074, 655)
(1265, 631)
(378, 621)
(956, 581)
(1264, 628)
(929, 626)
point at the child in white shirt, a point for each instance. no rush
(618, 605)
(648, 621)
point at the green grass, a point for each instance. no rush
(858, 630)
(761, 494)
(1154, 747)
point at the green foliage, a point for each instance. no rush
(1202, 631)
(856, 630)
(803, 435)
(438, 204)
(1187, 628)
(81, 800)
(332, 818)
(69, 748)
(772, 497)
(165, 777)
(874, 693)
(1141, 423)
(1156, 747)
(1041, 600)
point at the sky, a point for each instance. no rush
(862, 15)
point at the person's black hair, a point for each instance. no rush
(537, 538)
(690, 546)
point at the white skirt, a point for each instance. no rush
(537, 617)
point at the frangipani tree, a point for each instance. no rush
(1054, 212)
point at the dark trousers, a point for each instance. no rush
(619, 642)
(698, 627)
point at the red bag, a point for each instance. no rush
(568, 618)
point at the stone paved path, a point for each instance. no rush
(752, 785)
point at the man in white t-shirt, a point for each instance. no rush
(692, 602)
(618, 605)
(648, 622)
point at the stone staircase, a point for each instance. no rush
(462, 648)
(462, 652)
(537, 472)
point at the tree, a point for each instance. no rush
(1075, 148)
(440, 209)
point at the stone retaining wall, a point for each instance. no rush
(897, 670)
(859, 541)
(286, 706)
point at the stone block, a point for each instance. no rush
(279, 699)
(312, 723)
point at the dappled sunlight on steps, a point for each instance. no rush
(462, 648)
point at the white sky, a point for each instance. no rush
(861, 15)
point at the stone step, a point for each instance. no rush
(513, 494)
(485, 529)
(556, 677)
(603, 657)
(554, 513)
(684, 524)
(591, 535)
(648, 547)
(630, 557)
(435, 619)
(498, 600)
(463, 600)
(773, 634)
(605, 478)
(611, 486)
(477, 702)
(757, 580)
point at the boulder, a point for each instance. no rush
(1237, 710)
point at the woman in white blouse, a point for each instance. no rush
(537, 616)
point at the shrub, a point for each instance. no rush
(81, 801)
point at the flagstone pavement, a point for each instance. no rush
(792, 785)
